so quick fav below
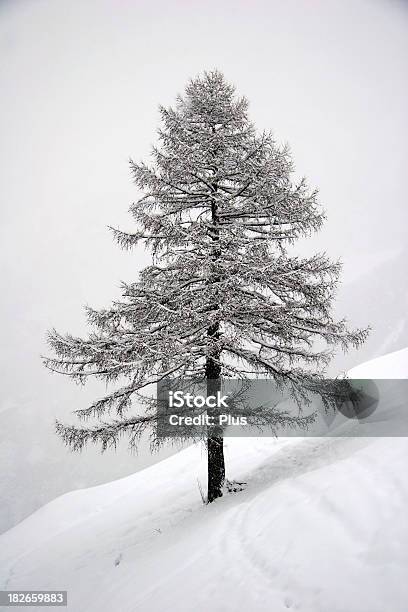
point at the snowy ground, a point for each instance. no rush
(321, 527)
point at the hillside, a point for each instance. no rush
(320, 526)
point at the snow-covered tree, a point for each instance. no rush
(223, 296)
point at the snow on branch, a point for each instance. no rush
(218, 212)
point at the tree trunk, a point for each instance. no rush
(215, 440)
(216, 467)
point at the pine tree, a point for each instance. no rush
(223, 296)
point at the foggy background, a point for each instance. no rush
(80, 85)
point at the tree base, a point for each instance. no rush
(233, 486)
(216, 468)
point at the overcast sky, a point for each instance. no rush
(81, 81)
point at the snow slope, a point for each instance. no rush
(391, 366)
(320, 527)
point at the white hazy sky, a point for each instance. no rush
(80, 84)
